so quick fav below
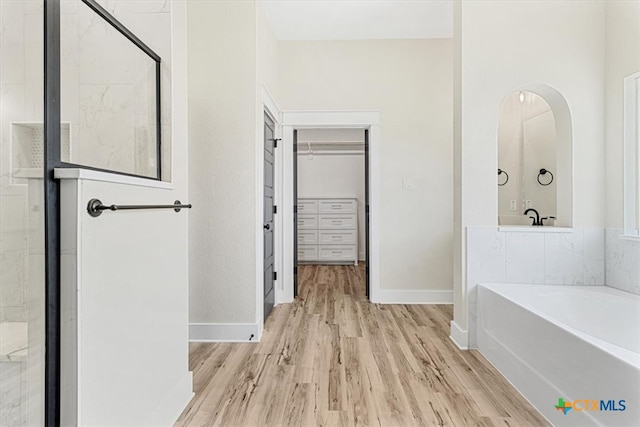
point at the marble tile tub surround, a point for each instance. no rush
(563, 257)
(622, 261)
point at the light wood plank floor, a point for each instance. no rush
(332, 358)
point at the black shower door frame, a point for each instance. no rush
(53, 160)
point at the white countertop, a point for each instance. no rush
(535, 229)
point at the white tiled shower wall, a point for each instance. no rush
(567, 257)
(21, 90)
(623, 261)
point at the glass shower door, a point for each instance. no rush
(22, 281)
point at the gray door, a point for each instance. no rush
(269, 294)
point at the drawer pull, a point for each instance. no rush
(336, 221)
(336, 252)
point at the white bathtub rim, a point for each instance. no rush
(627, 356)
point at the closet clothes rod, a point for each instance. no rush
(330, 153)
(95, 207)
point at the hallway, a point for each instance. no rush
(332, 358)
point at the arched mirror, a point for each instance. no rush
(527, 164)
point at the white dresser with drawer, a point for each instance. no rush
(328, 230)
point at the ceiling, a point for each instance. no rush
(359, 19)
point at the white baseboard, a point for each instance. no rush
(459, 336)
(223, 332)
(383, 296)
(178, 398)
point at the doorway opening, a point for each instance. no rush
(331, 208)
(287, 250)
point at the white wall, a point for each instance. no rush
(559, 44)
(622, 60)
(232, 56)
(459, 234)
(222, 173)
(267, 56)
(409, 82)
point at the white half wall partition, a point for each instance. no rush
(125, 280)
(124, 303)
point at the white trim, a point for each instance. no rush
(631, 152)
(285, 189)
(386, 296)
(224, 332)
(259, 217)
(633, 238)
(375, 165)
(329, 119)
(271, 105)
(565, 196)
(91, 175)
(459, 336)
(172, 406)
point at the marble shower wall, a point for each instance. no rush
(106, 96)
(623, 261)
(21, 99)
(14, 254)
(108, 85)
(570, 257)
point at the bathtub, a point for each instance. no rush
(579, 343)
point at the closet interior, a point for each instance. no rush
(331, 196)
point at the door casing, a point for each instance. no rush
(293, 120)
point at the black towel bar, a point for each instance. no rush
(95, 207)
